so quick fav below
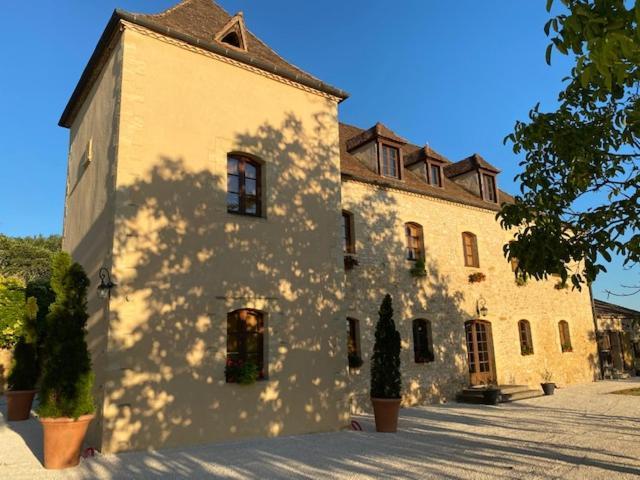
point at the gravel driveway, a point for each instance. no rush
(582, 432)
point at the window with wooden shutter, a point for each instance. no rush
(244, 189)
(422, 341)
(470, 249)
(348, 240)
(526, 342)
(389, 161)
(415, 242)
(565, 337)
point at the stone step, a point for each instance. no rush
(521, 395)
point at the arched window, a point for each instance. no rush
(526, 343)
(422, 341)
(244, 189)
(348, 238)
(565, 337)
(245, 341)
(470, 249)
(415, 242)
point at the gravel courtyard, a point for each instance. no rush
(581, 432)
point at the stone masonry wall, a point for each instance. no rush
(447, 299)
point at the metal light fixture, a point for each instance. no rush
(104, 289)
(481, 307)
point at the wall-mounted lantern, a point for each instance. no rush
(481, 307)
(104, 289)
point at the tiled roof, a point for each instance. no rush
(351, 167)
(195, 22)
(468, 164)
(606, 308)
(422, 154)
(378, 130)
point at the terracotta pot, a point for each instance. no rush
(19, 404)
(386, 411)
(548, 388)
(63, 439)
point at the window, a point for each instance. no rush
(435, 175)
(245, 340)
(526, 343)
(243, 186)
(470, 248)
(348, 240)
(422, 341)
(389, 161)
(415, 244)
(565, 338)
(489, 188)
(354, 337)
(232, 39)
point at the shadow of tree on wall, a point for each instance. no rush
(383, 268)
(183, 262)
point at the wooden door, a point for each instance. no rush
(480, 352)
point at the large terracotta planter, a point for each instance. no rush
(386, 412)
(63, 439)
(19, 404)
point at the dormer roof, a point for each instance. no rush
(198, 23)
(423, 154)
(377, 132)
(473, 162)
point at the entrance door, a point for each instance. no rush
(480, 352)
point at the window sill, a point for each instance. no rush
(246, 216)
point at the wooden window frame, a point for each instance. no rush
(472, 260)
(399, 162)
(243, 334)
(422, 347)
(420, 239)
(437, 165)
(349, 240)
(243, 160)
(482, 175)
(565, 336)
(526, 340)
(353, 335)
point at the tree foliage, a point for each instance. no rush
(24, 369)
(579, 185)
(386, 381)
(67, 379)
(28, 258)
(11, 311)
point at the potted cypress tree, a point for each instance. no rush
(24, 369)
(66, 402)
(386, 382)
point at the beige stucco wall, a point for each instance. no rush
(446, 298)
(88, 222)
(182, 262)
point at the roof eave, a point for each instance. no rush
(88, 74)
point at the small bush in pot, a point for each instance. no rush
(548, 387)
(386, 382)
(24, 370)
(66, 401)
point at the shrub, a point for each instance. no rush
(244, 373)
(418, 269)
(24, 369)
(67, 379)
(11, 311)
(44, 295)
(385, 362)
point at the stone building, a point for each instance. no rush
(618, 339)
(241, 222)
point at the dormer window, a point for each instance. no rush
(389, 161)
(232, 39)
(233, 33)
(434, 174)
(489, 192)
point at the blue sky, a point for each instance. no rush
(456, 75)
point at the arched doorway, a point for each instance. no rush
(480, 352)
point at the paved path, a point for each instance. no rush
(582, 432)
